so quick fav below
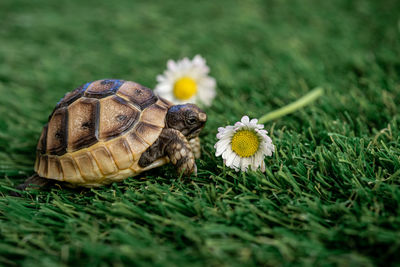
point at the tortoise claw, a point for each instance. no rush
(195, 170)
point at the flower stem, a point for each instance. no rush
(292, 107)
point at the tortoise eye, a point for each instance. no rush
(191, 120)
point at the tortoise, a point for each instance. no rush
(108, 130)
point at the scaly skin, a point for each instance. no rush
(172, 143)
(179, 140)
(196, 148)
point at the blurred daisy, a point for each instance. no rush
(244, 145)
(187, 81)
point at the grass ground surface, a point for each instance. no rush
(330, 195)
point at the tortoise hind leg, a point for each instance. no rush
(154, 152)
(35, 181)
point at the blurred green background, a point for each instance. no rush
(330, 195)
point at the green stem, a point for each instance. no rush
(292, 107)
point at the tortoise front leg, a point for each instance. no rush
(195, 145)
(178, 149)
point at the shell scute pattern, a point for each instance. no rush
(82, 125)
(104, 160)
(148, 132)
(54, 168)
(42, 165)
(116, 116)
(138, 94)
(87, 166)
(121, 153)
(41, 146)
(151, 114)
(57, 132)
(97, 133)
(103, 88)
(70, 97)
(137, 144)
(70, 170)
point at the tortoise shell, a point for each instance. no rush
(97, 133)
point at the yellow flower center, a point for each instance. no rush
(185, 88)
(245, 143)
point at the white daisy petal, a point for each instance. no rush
(187, 81)
(221, 147)
(245, 163)
(206, 96)
(226, 153)
(163, 88)
(171, 65)
(236, 161)
(263, 132)
(245, 119)
(230, 159)
(199, 60)
(160, 78)
(247, 149)
(207, 81)
(221, 129)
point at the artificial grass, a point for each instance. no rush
(330, 194)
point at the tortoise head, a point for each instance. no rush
(189, 119)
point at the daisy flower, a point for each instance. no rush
(187, 81)
(244, 145)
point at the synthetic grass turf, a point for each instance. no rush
(330, 195)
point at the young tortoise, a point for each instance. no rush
(108, 130)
